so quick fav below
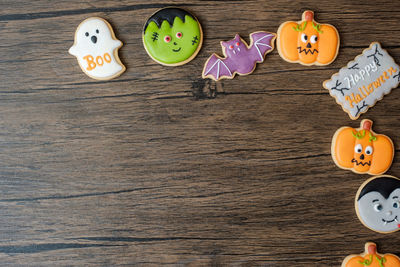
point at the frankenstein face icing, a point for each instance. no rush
(379, 205)
(172, 36)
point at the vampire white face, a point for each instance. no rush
(378, 213)
(93, 35)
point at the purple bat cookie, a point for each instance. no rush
(239, 57)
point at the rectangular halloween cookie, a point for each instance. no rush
(364, 81)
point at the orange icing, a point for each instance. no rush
(294, 48)
(92, 64)
(371, 258)
(345, 143)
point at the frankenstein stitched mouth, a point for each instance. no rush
(361, 163)
(177, 50)
(389, 221)
(306, 51)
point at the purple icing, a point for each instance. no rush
(239, 58)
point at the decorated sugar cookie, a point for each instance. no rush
(96, 49)
(371, 258)
(364, 81)
(377, 204)
(172, 36)
(307, 42)
(239, 58)
(362, 150)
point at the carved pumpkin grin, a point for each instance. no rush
(306, 51)
(361, 163)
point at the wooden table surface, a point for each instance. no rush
(159, 166)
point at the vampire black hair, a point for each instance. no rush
(384, 185)
(169, 14)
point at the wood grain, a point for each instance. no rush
(161, 167)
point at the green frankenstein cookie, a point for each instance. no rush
(172, 36)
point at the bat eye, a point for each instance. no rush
(314, 39)
(231, 47)
(179, 35)
(237, 44)
(167, 39)
(304, 38)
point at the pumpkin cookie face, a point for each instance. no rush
(172, 36)
(361, 150)
(378, 204)
(308, 42)
(371, 258)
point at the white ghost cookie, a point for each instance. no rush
(96, 49)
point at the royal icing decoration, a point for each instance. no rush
(96, 49)
(172, 36)
(307, 42)
(371, 258)
(377, 204)
(364, 81)
(239, 58)
(362, 150)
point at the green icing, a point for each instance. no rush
(317, 27)
(381, 261)
(359, 135)
(366, 262)
(162, 51)
(299, 28)
(372, 138)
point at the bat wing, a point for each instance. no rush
(217, 68)
(263, 43)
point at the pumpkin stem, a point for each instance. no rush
(308, 15)
(372, 249)
(366, 124)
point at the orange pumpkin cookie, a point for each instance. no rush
(371, 258)
(308, 42)
(361, 150)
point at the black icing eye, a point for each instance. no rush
(396, 205)
(86, 34)
(304, 37)
(378, 207)
(97, 31)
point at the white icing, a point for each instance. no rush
(378, 213)
(364, 81)
(352, 80)
(97, 59)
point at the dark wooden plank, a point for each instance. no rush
(152, 168)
